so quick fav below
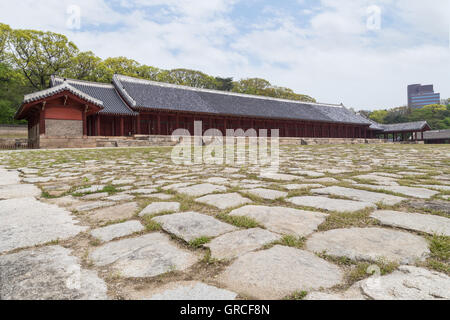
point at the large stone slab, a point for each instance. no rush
(377, 179)
(353, 294)
(436, 187)
(283, 220)
(361, 195)
(48, 273)
(301, 186)
(8, 177)
(144, 191)
(199, 190)
(117, 230)
(91, 189)
(309, 173)
(420, 193)
(267, 194)
(224, 200)
(329, 204)
(146, 256)
(160, 207)
(192, 225)
(120, 197)
(370, 244)
(237, 243)
(408, 283)
(279, 176)
(279, 272)
(434, 205)
(27, 222)
(189, 290)
(414, 221)
(115, 213)
(88, 206)
(38, 179)
(15, 191)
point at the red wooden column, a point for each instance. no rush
(121, 127)
(97, 125)
(138, 124)
(224, 127)
(85, 122)
(177, 121)
(42, 119)
(158, 117)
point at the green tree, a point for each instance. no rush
(224, 84)
(262, 87)
(84, 66)
(379, 116)
(149, 73)
(191, 78)
(40, 54)
(118, 65)
(437, 116)
(5, 32)
(251, 86)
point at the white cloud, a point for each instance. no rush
(325, 51)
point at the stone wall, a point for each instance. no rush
(55, 142)
(13, 130)
(63, 128)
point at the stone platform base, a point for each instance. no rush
(47, 142)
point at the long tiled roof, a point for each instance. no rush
(437, 134)
(397, 127)
(112, 102)
(407, 126)
(144, 94)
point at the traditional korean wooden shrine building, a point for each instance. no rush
(130, 106)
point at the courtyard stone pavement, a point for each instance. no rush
(342, 222)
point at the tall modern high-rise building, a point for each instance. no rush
(419, 96)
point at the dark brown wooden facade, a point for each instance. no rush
(165, 123)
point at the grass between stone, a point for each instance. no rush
(199, 242)
(239, 221)
(359, 270)
(340, 220)
(439, 259)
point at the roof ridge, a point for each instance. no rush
(119, 78)
(91, 83)
(122, 92)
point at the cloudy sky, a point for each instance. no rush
(362, 53)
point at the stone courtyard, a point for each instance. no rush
(359, 222)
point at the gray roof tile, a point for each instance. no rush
(437, 134)
(144, 94)
(112, 102)
(61, 87)
(407, 126)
